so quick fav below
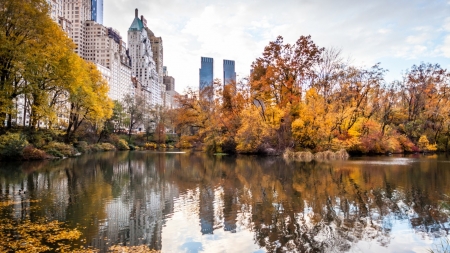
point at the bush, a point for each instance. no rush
(12, 145)
(95, 147)
(82, 146)
(114, 139)
(55, 153)
(41, 137)
(122, 145)
(107, 146)
(186, 142)
(57, 149)
(32, 153)
(132, 147)
(150, 145)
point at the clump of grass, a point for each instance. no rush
(307, 156)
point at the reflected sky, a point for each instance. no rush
(192, 202)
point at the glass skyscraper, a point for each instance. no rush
(229, 73)
(206, 72)
(97, 11)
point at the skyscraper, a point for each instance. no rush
(229, 74)
(143, 64)
(206, 72)
(97, 11)
(158, 56)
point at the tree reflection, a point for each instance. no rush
(125, 197)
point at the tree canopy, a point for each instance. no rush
(305, 97)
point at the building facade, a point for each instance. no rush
(170, 100)
(229, 73)
(142, 61)
(77, 12)
(56, 10)
(169, 82)
(158, 56)
(105, 47)
(206, 72)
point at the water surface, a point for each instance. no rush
(192, 202)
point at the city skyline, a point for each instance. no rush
(397, 34)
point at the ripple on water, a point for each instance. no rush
(394, 161)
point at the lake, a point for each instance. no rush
(194, 202)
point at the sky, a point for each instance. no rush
(395, 33)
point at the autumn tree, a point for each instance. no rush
(135, 108)
(253, 132)
(119, 115)
(24, 23)
(424, 99)
(47, 74)
(88, 98)
(284, 70)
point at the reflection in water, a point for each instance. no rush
(193, 202)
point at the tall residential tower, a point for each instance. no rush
(206, 72)
(229, 73)
(105, 47)
(142, 61)
(77, 12)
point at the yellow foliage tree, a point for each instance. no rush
(88, 96)
(24, 24)
(252, 132)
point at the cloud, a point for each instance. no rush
(446, 47)
(446, 25)
(238, 30)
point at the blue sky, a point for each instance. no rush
(396, 33)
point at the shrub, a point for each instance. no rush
(186, 142)
(32, 153)
(55, 153)
(150, 145)
(12, 145)
(95, 147)
(107, 146)
(40, 137)
(122, 145)
(114, 139)
(58, 149)
(132, 147)
(82, 146)
(162, 145)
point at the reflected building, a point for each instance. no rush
(136, 214)
(206, 212)
(206, 75)
(127, 198)
(230, 210)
